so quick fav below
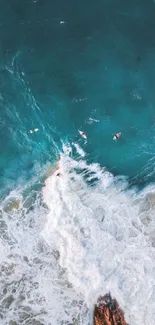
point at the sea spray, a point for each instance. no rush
(103, 244)
(84, 234)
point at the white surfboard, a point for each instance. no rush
(83, 135)
(34, 130)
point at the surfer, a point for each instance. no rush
(116, 136)
(57, 172)
(83, 134)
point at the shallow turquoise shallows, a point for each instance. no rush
(77, 65)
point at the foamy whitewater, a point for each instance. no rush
(84, 235)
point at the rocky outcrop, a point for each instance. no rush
(108, 312)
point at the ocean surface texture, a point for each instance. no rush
(65, 240)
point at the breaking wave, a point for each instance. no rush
(84, 234)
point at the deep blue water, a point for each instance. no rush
(99, 64)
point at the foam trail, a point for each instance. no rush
(79, 150)
(104, 237)
(84, 235)
(91, 120)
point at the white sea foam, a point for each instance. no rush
(85, 234)
(104, 236)
(34, 289)
(79, 150)
(91, 120)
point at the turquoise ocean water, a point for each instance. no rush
(64, 67)
(100, 65)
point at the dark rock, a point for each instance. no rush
(108, 312)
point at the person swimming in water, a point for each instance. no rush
(83, 134)
(116, 136)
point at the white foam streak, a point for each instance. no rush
(79, 150)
